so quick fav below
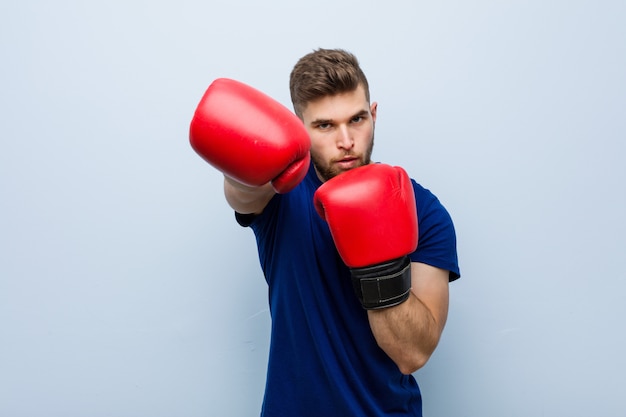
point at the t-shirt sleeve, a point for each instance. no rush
(248, 220)
(245, 220)
(437, 236)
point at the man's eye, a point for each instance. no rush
(323, 126)
(357, 119)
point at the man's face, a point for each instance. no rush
(341, 128)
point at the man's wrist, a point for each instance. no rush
(383, 285)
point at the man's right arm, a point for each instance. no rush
(245, 199)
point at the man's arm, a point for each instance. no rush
(410, 332)
(371, 212)
(245, 199)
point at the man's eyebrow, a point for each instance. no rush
(321, 121)
(360, 113)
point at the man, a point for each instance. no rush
(357, 255)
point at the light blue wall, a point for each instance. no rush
(127, 289)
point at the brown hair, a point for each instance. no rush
(324, 72)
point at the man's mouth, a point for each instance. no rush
(347, 162)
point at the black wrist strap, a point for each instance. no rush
(383, 285)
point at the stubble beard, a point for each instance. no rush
(326, 170)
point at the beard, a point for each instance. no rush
(327, 170)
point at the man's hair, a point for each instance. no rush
(325, 72)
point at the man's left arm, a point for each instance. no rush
(372, 215)
(409, 332)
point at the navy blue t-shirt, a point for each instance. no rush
(324, 360)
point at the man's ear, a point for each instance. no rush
(373, 109)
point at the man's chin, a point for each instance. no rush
(328, 173)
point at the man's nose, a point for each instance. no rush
(345, 140)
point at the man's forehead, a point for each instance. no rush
(341, 105)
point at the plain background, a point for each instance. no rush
(126, 287)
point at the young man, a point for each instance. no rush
(357, 255)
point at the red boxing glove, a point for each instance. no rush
(372, 216)
(249, 136)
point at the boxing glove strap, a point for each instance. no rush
(383, 285)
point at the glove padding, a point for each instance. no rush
(249, 136)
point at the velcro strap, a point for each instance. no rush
(383, 285)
